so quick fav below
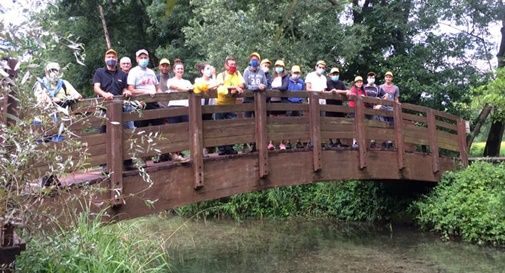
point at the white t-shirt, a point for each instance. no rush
(318, 83)
(143, 79)
(181, 83)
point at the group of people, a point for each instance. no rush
(123, 80)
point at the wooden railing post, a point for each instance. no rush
(432, 136)
(114, 148)
(196, 138)
(359, 121)
(400, 144)
(315, 129)
(463, 152)
(260, 119)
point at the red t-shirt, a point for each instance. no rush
(357, 92)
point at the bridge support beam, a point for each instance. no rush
(432, 136)
(260, 116)
(359, 121)
(114, 148)
(196, 139)
(400, 143)
(315, 129)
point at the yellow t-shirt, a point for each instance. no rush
(227, 80)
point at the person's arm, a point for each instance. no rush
(397, 94)
(285, 83)
(248, 84)
(99, 92)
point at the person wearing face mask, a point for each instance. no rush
(255, 79)
(296, 84)
(334, 85)
(231, 84)
(51, 89)
(142, 80)
(316, 81)
(108, 82)
(356, 90)
(280, 81)
(125, 64)
(265, 67)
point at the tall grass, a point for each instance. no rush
(92, 247)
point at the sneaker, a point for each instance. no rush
(271, 147)
(355, 146)
(299, 145)
(282, 146)
(177, 157)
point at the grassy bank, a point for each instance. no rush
(477, 149)
(93, 247)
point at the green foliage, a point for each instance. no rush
(467, 204)
(493, 93)
(477, 149)
(93, 247)
(350, 201)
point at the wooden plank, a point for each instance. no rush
(446, 115)
(432, 135)
(228, 128)
(234, 108)
(260, 118)
(338, 134)
(286, 94)
(373, 112)
(196, 139)
(315, 130)
(446, 125)
(288, 120)
(177, 131)
(413, 107)
(381, 134)
(287, 107)
(400, 142)
(336, 108)
(115, 150)
(415, 118)
(360, 132)
(463, 152)
(155, 113)
(95, 139)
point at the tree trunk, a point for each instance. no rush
(495, 136)
(104, 25)
(477, 124)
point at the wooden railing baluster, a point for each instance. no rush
(463, 147)
(359, 121)
(260, 119)
(432, 135)
(315, 130)
(114, 148)
(196, 139)
(400, 144)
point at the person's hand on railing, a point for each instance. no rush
(126, 93)
(108, 96)
(262, 87)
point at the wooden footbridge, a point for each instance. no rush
(426, 143)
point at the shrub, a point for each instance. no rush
(468, 204)
(92, 247)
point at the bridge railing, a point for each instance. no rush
(411, 128)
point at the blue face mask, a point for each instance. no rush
(143, 63)
(254, 63)
(279, 69)
(334, 78)
(111, 62)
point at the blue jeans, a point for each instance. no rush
(127, 108)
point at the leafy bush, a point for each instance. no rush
(350, 201)
(93, 247)
(468, 204)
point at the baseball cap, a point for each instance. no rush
(358, 78)
(279, 63)
(110, 50)
(255, 54)
(164, 61)
(296, 69)
(371, 74)
(141, 51)
(389, 73)
(266, 61)
(334, 70)
(321, 62)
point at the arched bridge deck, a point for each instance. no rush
(426, 143)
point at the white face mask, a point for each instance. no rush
(371, 80)
(265, 69)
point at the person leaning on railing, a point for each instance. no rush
(335, 85)
(295, 84)
(231, 85)
(356, 90)
(389, 91)
(142, 80)
(280, 81)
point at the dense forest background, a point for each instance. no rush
(439, 50)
